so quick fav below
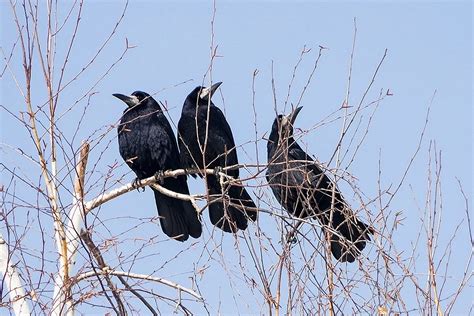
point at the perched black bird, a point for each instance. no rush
(305, 191)
(148, 146)
(205, 141)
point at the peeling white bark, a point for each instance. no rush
(12, 281)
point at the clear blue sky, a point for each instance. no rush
(429, 49)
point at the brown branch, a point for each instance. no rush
(138, 295)
(76, 218)
(86, 238)
(81, 170)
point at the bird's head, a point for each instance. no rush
(136, 98)
(282, 127)
(202, 95)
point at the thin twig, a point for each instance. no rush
(181, 288)
(86, 238)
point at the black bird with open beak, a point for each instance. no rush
(206, 141)
(148, 146)
(301, 187)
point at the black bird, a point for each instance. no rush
(148, 146)
(303, 189)
(205, 141)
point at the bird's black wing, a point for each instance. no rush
(134, 141)
(347, 234)
(164, 153)
(220, 146)
(190, 153)
(221, 149)
(313, 176)
(221, 143)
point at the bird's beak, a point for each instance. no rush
(208, 92)
(129, 100)
(294, 114)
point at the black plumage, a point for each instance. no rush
(303, 189)
(148, 146)
(205, 141)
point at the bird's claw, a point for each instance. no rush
(188, 172)
(218, 170)
(159, 176)
(137, 184)
(291, 238)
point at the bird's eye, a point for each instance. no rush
(140, 96)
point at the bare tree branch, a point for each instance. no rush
(180, 288)
(85, 236)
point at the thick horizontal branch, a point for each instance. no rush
(152, 181)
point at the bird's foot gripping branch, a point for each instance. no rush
(159, 177)
(137, 184)
(218, 170)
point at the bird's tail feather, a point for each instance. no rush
(239, 196)
(172, 220)
(191, 217)
(348, 236)
(229, 215)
